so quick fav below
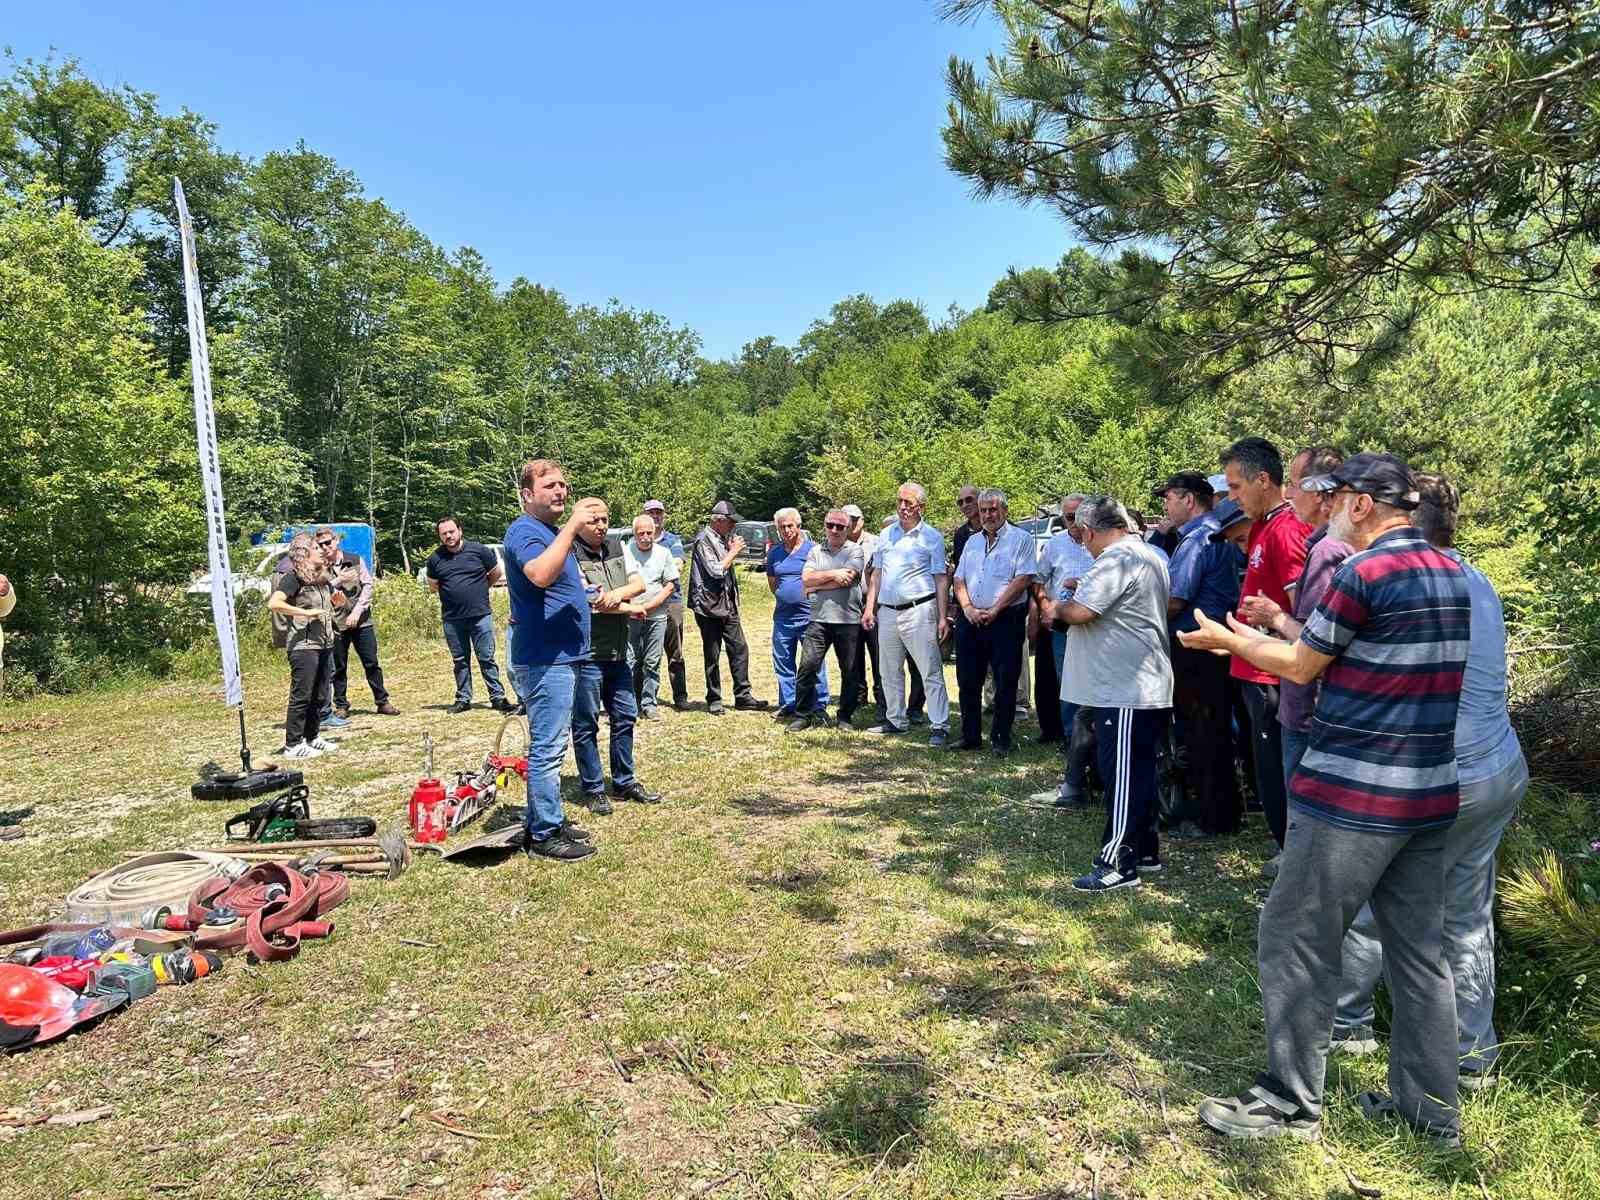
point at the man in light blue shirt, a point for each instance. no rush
(909, 582)
(992, 581)
(672, 643)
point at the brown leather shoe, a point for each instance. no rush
(388, 710)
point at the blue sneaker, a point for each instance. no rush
(334, 721)
(1104, 879)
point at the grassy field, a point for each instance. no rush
(829, 965)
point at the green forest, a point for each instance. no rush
(365, 373)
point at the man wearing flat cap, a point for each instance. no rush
(714, 597)
(1204, 575)
(1370, 808)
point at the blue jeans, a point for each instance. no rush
(1069, 710)
(1294, 749)
(611, 684)
(474, 635)
(787, 630)
(647, 639)
(1487, 806)
(547, 691)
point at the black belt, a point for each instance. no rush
(909, 603)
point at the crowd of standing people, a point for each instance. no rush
(1309, 644)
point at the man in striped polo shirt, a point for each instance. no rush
(1370, 806)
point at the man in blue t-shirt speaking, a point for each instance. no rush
(549, 642)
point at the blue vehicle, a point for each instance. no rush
(358, 538)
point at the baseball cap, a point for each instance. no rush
(1228, 514)
(723, 508)
(1382, 476)
(853, 511)
(1186, 481)
(654, 506)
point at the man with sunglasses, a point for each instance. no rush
(909, 582)
(1372, 803)
(352, 627)
(835, 577)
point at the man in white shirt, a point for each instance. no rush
(908, 603)
(991, 584)
(647, 635)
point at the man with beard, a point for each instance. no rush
(1493, 776)
(1373, 801)
(461, 572)
(605, 678)
(549, 645)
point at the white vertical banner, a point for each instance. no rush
(205, 425)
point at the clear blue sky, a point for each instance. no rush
(736, 167)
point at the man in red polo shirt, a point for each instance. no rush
(1274, 561)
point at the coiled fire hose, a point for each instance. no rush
(278, 905)
(123, 894)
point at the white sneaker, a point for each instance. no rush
(302, 750)
(322, 745)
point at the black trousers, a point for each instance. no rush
(1202, 700)
(1046, 687)
(1125, 744)
(980, 649)
(868, 648)
(308, 683)
(673, 647)
(845, 639)
(1266, 741)
(1244, 754)
(365, 640)
(715, 634)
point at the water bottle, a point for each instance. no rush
(94, 944)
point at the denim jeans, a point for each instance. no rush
(1487, 806)
(1069, 710)
(647, 640)
(547, 691)
(609, 684)
(787, 630)
(1294, 749)
(473, 636)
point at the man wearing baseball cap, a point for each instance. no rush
(1372, 803)
(714, 597)
(672, 644)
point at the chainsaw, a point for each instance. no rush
(287, 818)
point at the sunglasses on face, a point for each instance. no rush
(834, 525)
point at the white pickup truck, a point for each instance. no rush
(256, 577)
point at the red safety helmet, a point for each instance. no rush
(29, 998)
